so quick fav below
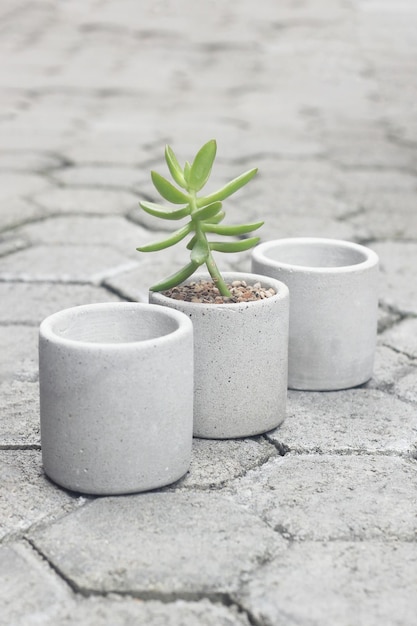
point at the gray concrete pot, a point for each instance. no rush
(240, 361)
(116, 397)
(333, 312)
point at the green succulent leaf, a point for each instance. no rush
(192, 242)
(202, 164)
(177, 236)
(229, 189)
(174, 167)
(206, 212)
(158, 210)
(238, 229)
(177, 278)
(200, 251)
(216, 219)
(234, 246)
(187, 172)
(167, 189)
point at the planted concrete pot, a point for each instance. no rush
(241, 360)
(333, 308)
(116, 397)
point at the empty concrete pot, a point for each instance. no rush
(333, 308)
(116, 397)
(241, 360)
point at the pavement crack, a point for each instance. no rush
(409, 355)
(116, 292)
(232, 602)
(280, 446)
(68, 582)
(284, 532)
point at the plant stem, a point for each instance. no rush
(210, 262)
(217, 277)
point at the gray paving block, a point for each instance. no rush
(30, 592)
(18, 353)
(326, 497)
(389, 367)
(22, 138)
(308, 226)
(21, 184)
(215, 463)
(310, 188)
(10, 243)
(36, 162)
(406, 388)
(343, 583)
(382, 204)
(404, 130)
(403, 337)
(100, 611)
(114, 231)
(26, 496)
(386, 318)
(106, 146)
(398, 285)
(64, 263)
(15, 211)
(361, 143)
(19, 411)
(64, 200)
(360, 420)
(57, 112)
(101, 176)
(25, 303)
(384, 215)
(159, 545)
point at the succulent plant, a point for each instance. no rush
(205, 215)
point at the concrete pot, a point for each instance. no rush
(116, 397)
(333, 312)
(240, 361)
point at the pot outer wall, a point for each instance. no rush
(240, 360)
(116, 417)
(333, 314)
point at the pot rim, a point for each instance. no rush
(280, 288)
(47, 332)
(370, 258)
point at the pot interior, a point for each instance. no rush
(316, 254)
(116, 325)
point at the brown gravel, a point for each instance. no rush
(206, 292)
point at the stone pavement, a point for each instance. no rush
(314, 523)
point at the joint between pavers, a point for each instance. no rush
(280, 447)
(51, 565)
(285, 533)
(115, 291)
(78, 501)
(241, 610)
(302, 451)
(16, 446)
(397, 350)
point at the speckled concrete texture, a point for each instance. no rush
(314, 523)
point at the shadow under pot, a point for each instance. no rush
(116, 397)
(240, 357)
(333, 288)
